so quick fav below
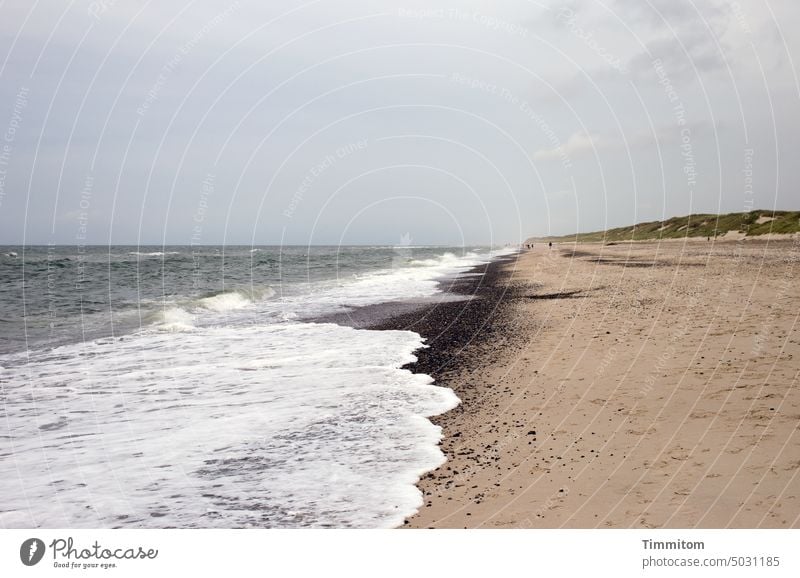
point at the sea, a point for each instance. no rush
(196, 387)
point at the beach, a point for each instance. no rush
(631, 385)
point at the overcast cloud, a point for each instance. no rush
(339, 121)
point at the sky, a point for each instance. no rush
(377, 122)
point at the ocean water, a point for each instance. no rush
(191, 387)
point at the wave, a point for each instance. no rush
(154, 253)
(185, 315)
(446, 259)
(224, 302)
(231, 300)
(172, 320)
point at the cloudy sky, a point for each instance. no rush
(338, 121)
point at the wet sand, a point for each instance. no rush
(630, 385)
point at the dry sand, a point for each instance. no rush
(653, 385)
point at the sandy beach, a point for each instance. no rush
(629, 385)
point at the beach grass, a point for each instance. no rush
(751, 224)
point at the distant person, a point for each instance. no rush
(551, 244)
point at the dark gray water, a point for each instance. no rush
(56, 295)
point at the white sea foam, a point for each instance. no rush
(225, 302)
(173, 319)
(410, 280)
(286, 425)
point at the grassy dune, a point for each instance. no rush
(751, 224)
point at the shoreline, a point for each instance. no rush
(617, 386)
(470, 317)
(467, 316)
(465, 323)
